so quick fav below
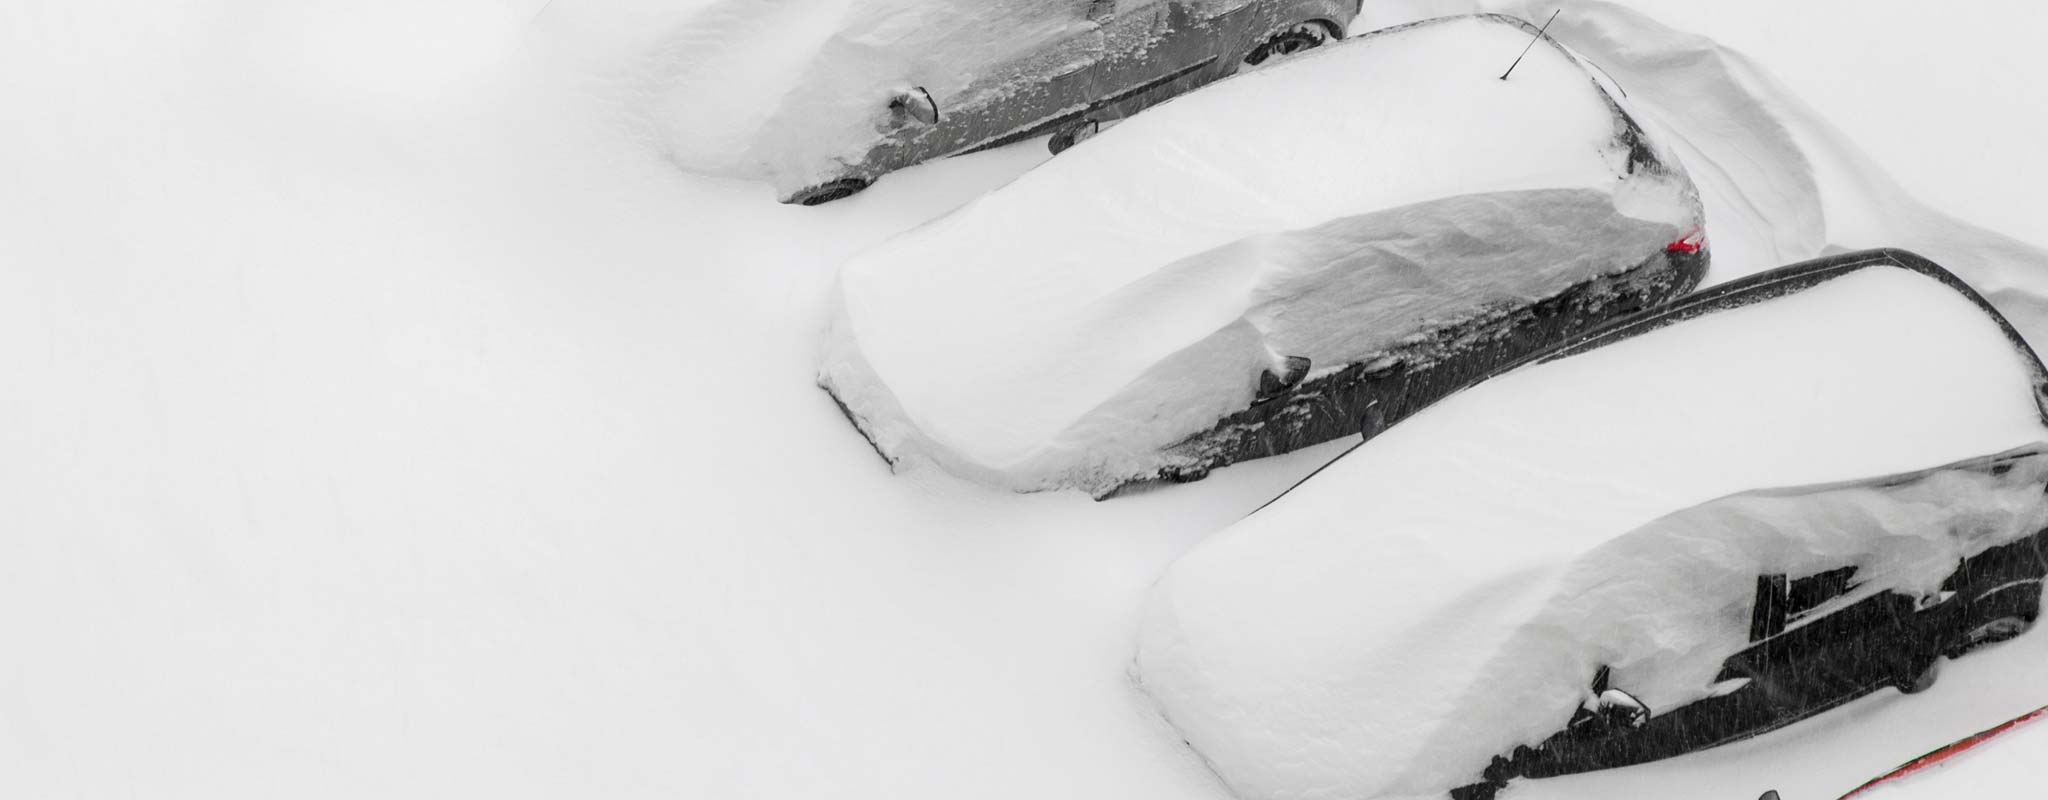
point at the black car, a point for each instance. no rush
(1816, 642)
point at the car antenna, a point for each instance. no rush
(1532, 43)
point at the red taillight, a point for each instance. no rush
(1692, 243)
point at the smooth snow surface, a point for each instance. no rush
(2009, 765)
(1128, 294)
(1444, 592)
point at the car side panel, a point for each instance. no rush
(1184, 51)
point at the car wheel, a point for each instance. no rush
(1072, 135)
(1993, 632)
(1922, 679)
(829, 191)
(1289, 41)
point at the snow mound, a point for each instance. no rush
(1128, 294)
(1444, 593)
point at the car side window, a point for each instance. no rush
(1806, 594)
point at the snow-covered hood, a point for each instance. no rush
(1443, 593)
(1129, 293)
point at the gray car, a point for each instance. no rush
(1118, 58)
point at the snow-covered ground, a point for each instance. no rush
(2007, 755)
(388, 415)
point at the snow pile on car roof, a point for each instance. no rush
(1445, 592)
(1119, 298)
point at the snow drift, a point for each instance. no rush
(1119, 299)
(1443, 593)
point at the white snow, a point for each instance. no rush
(387, 417)
(1114, 301)
(1444, 593)
(2009, 760)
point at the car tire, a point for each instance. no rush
(1288, 41)
(1921, 678)
(829, 191)
(1072, 135)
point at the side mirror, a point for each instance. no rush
(914, 103)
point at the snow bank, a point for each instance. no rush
(1130, 293)
(1444, 593)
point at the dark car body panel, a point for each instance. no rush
(1138, 55)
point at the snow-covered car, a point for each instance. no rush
(1816, 641)
(1066, 67)
(1266, 264)
(1583, 542)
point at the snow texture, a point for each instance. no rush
(387, 417)
(1128, 294)
(1445, 592)
(2011, 760)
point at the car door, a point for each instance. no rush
(1155, 50)
(1034, 92)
